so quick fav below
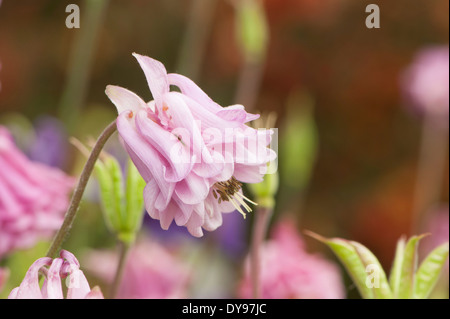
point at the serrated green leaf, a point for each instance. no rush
(429, 271)
(374, 270)
(408, 268)
(351, 260)
(396, 270)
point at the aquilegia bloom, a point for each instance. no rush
(66, 267)
(192, 153)
(289, 272)
(33, 197)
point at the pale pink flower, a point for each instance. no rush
(151, 272)
(66, 267)
(33, 197)
(289, 272)
(192, 153)
(426, 82)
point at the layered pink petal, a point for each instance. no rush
(192, 190)
(190, 89)
(145, 157)
(52, 285)
(78, 287)
(124, 100)
(29, 288)
(156, 76)
(176, 153)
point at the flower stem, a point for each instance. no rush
(262, 217)
(79, 190)
(123, 254)
(430, 170)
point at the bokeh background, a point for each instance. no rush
(349, 145)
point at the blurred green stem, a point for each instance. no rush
(79, 190)
(196, 36)
(80, 61)
(430, 169)
(124, 248)
(249, 84)
(253, 37)
(262, 218)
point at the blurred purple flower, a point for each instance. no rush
(289, 272)
(151, 272)
(425, 82)
(50, 144)
(231, 237)
(33, 197)
(59, 268)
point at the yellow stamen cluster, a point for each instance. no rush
(229, 191)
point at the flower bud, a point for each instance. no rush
(122, 201)
(252, 29)
(265, 191)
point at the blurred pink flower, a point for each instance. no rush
(192, 153)
(33, 197)
(426, 82)
(66, 267)
(151, 272)
(289, 272)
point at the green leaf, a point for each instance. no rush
(106, 195)
(394, 277)
(429, 271)
(299, 143)
(265, 191)
(135, 185)
(351, 260)
(408, 268)
(252, 28)
(374, 270)
(117, 193)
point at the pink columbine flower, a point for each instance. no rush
(426, 82)
(289, 272)
(151, 272)
(33, 197)
(66, 267)
(192, 153)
